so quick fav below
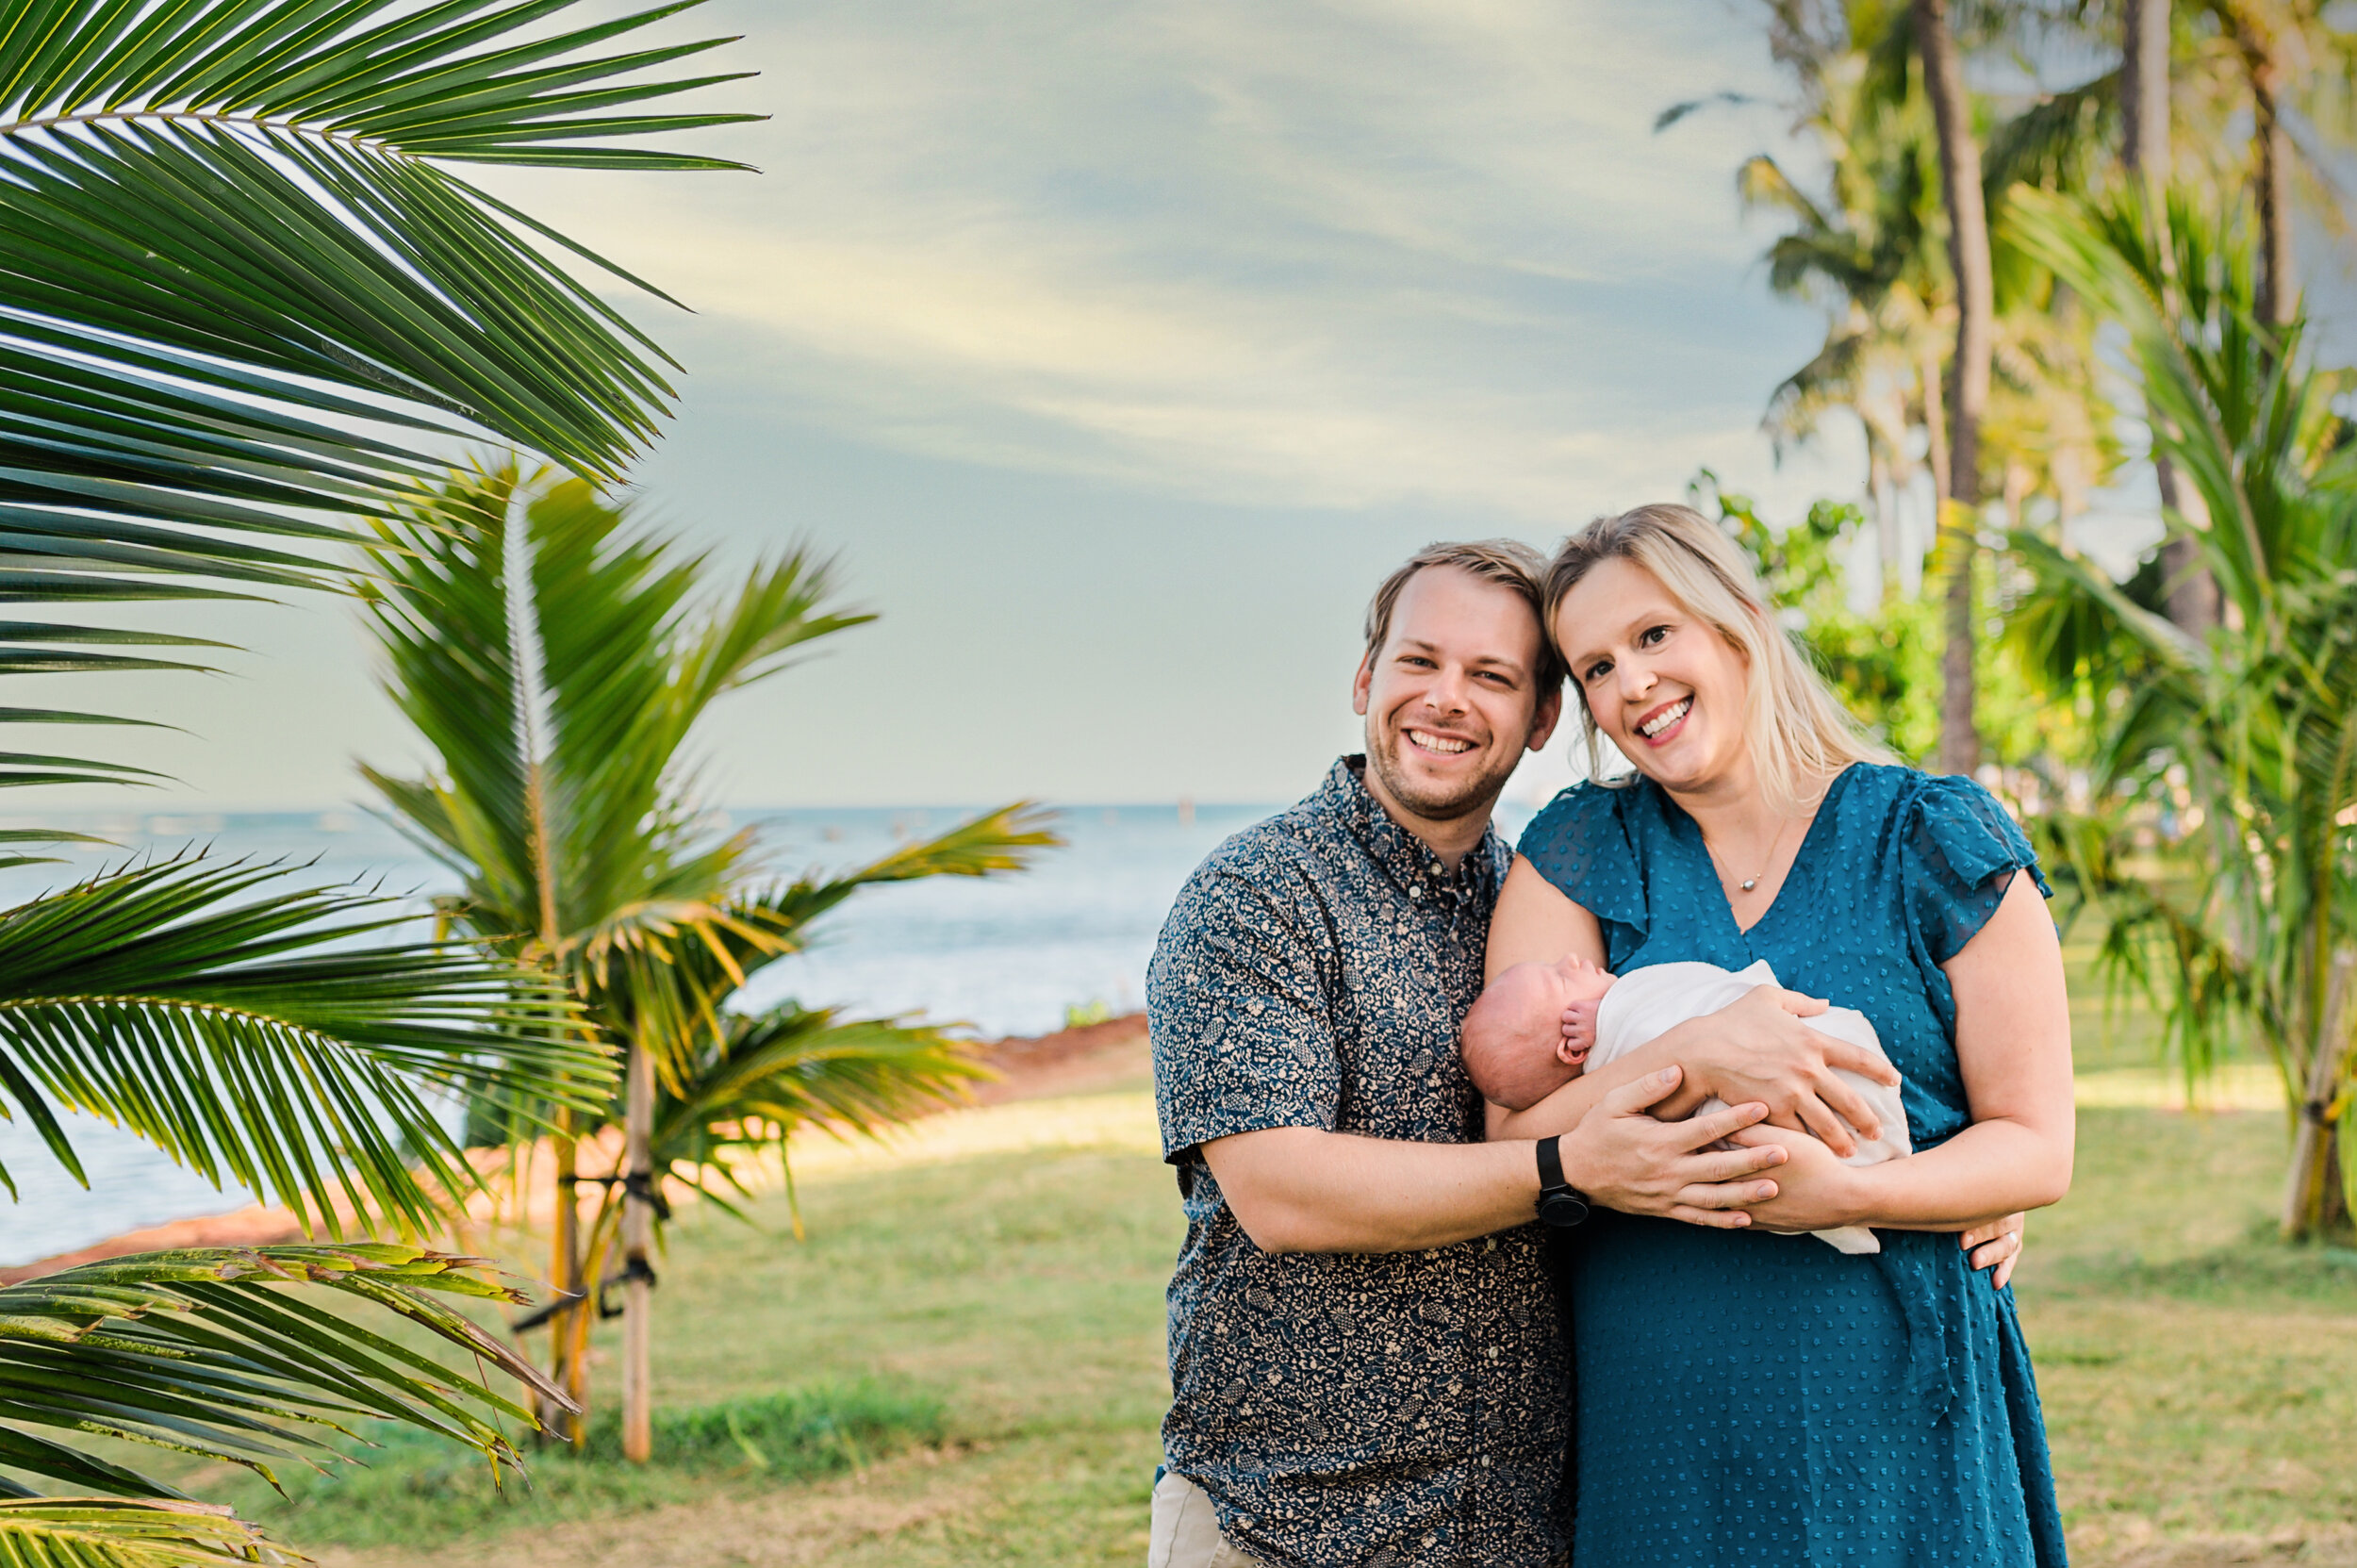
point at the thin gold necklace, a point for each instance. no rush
(1751, 881)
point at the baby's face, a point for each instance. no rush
(1570, 979)
(1541, 992)
(1516, 1043)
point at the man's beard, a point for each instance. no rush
(1477, 794)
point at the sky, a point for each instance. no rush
(1114, 351)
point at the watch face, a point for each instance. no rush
(1562, 1209)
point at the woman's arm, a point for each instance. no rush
(2013, 1046)
(1757, 1049)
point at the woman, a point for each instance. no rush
(1753, 1399)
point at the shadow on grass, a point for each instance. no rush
(2258, 1266)
(416, 1490)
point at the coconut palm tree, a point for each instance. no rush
(1865, 243)
(245, 299)
(1867, 251)
(1974, 279)
(2255, 936)
(558, 659)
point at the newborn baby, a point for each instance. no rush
(1517, 1053)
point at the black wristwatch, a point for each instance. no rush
(1560, 1204)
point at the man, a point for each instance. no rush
(1366, 1365)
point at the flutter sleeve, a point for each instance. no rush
(1581, 844)
(1958, 851)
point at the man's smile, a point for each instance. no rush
(1440, 745)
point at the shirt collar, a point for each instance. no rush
(1409, 859)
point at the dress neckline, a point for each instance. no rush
(1799, 856)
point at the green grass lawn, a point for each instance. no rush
(2197, 1376)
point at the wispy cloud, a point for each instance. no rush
(1322, 255)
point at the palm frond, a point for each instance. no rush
(444, 611)
(243, 296)
(990, 843)
(216, 1353)
(115, 1532)
(250, 1039)
(764, 1078)
(2058, 142)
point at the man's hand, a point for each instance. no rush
(1758, 1049)
(1626, 1159)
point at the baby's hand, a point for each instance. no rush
(1579, 1033)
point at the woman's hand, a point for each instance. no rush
(1815, 1191)
(1624, 1157)
(1758, 1049)
(1996, 1245)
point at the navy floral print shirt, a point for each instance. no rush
(1377, 1410)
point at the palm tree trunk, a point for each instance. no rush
(1976, 310)
(1934, 425)
(2144, 147)
(564, 1281)
(2271, 149)
(2144, 92)
(1886, 517)
(2315, 1202)
(638, 1275)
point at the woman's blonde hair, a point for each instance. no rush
(1798, 733)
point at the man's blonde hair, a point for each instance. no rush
(1798, 733)
(1508, 563)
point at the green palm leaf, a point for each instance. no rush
(243, 294)
(113, 1532)
(763, 1077)
(251, 1040)
(215, 1353)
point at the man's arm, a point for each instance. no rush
(1298, 1189)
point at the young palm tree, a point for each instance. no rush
(2256, 931)
(558, 660)
(243, 296)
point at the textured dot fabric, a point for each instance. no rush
(1347, 1409)
(1764, 1401)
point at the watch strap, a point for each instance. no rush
(1560, 1204)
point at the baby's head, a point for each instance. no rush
(1513, 1042)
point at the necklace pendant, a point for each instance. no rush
(1750, 884)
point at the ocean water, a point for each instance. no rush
(995, 956)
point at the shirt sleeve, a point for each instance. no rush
(1242, 1023)
(1958, 852)
(1580, 843)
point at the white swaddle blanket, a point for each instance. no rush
(1645, 1003)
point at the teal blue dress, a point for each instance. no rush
(1749, 1400)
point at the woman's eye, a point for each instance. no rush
(1653, 636)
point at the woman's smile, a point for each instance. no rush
(1660, 726)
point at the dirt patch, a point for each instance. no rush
(1069, 1061)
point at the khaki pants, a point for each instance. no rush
(1185, 1532)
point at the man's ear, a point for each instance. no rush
(1362, 683)
(1542, 723)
